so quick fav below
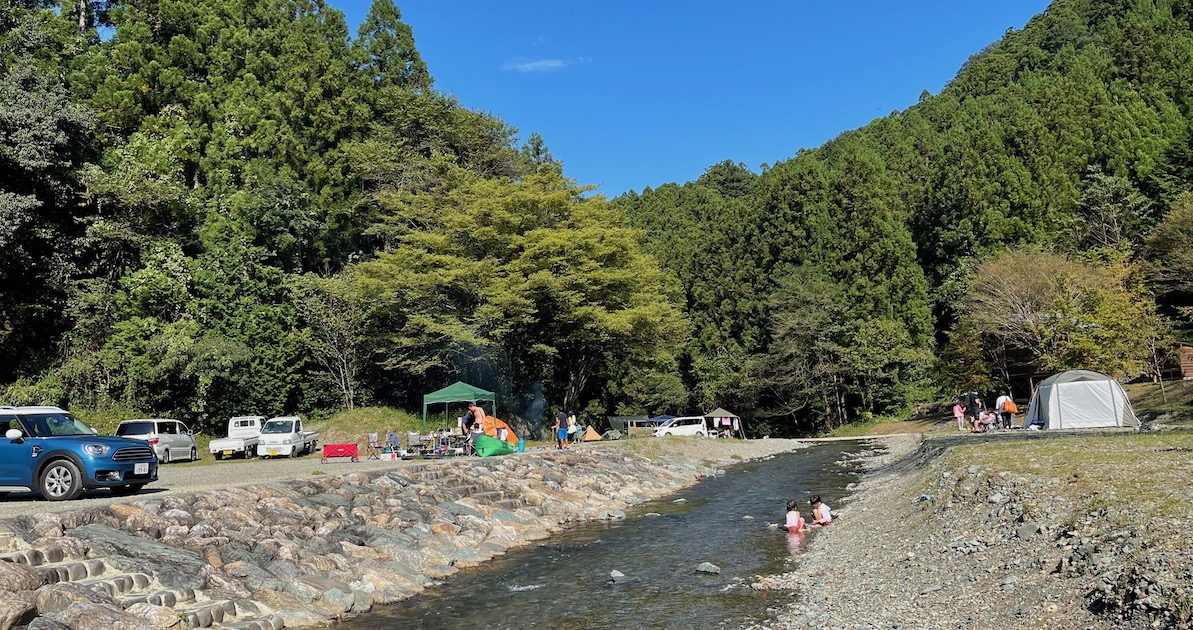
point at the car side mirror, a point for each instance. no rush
(13, 434)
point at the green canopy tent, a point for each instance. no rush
(456, 392)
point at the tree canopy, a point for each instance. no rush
(212, 207)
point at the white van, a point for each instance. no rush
(687, 425)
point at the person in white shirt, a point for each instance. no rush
(821, 514)
(1000, 407)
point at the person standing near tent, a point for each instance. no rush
(573, 427)
(561, 429)
(1000, 405)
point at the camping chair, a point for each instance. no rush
(393, 442)
(373, 448)
(414, 443)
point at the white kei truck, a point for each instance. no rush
(244, 432)
(283, 437)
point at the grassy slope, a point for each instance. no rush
(1174, 396)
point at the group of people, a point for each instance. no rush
(972, 415)
(567, 429)
(822, 516)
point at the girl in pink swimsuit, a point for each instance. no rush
(795, 522)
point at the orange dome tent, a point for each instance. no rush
(491, 425)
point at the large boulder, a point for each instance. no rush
(58, 597)
(173, 567)
(16, 609)
(156, 616)
(19, 577)
(88, 616)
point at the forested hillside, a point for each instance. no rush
(210, 207)
(213, 207)
(1033, 216)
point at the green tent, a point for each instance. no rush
(456, 392)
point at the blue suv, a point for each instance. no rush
(50, 451)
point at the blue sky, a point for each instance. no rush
(636, 94)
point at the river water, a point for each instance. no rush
(564, 583)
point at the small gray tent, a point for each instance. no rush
(1080, 399)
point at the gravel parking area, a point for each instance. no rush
(179, 478)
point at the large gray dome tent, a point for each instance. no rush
(1080, 399)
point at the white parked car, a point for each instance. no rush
(171, 440)
(686, 425)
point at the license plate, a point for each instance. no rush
(140, 469)
(273, 453)
(227, 452)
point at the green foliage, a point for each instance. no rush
(222, 207)
(1045, 310)
(527, 278)
(844, 268)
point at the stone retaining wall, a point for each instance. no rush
(303, 553)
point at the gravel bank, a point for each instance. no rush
(923, 545)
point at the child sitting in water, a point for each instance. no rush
(822, 516)
(795, 522)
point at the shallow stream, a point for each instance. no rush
(564, 582)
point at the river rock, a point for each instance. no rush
(295, 612)
(173, 567)
(617, 576)
(58, 597)
(156, 616)
(88, 616)
(45, 623)
(708, 567)
(19, 577)
(1027, 530)
(16, 609)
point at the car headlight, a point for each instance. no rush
(96, 449)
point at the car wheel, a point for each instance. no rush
(61, 481)
(123, 491)
(194, 454)
(666, 435)
(165, 456)
(293, 452)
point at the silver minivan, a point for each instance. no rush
(171, 440)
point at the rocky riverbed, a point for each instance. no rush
(1068, 532)
(307, 552)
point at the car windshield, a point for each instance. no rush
(135, 428)
(668, 423)
(278, 426)
(49, 424)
